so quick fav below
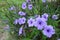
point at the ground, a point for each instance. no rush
(3, 33)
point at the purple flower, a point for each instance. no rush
(48, 31)
(45, 16)
(43, 1)
(22, 13)
(24, 5)
(40, 23)
(16, 21)
(30, 22)
(30, 6)
(12, 8)
(28, 1)
(22, 20)
(20, 30)
(58, 39)
(55, 17)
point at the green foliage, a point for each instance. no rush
(41, 8)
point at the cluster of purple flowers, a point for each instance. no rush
(20, 21)
(40, 22)
(24, 5)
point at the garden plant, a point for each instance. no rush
(32, 19)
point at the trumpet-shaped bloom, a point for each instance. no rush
(45, 16)
(30, 22)
(22, 20)
(48, 31)
(20, 31)
(22, 13)
(30, 6)
(40, 23)
(54, 17)
(24, 5)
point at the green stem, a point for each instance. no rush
(43, 37)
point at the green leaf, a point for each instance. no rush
(25, 39)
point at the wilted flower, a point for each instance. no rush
(22, 20)
(45, 16)
(7, 28)
(24, 5)
(48, 31)
(55, 17)
(22, 13)
(28, 1)
(20, 30)
(30, 6)
(37, 16)
(43, 1)
(30, 22)
(16, 21)
(40, 23)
